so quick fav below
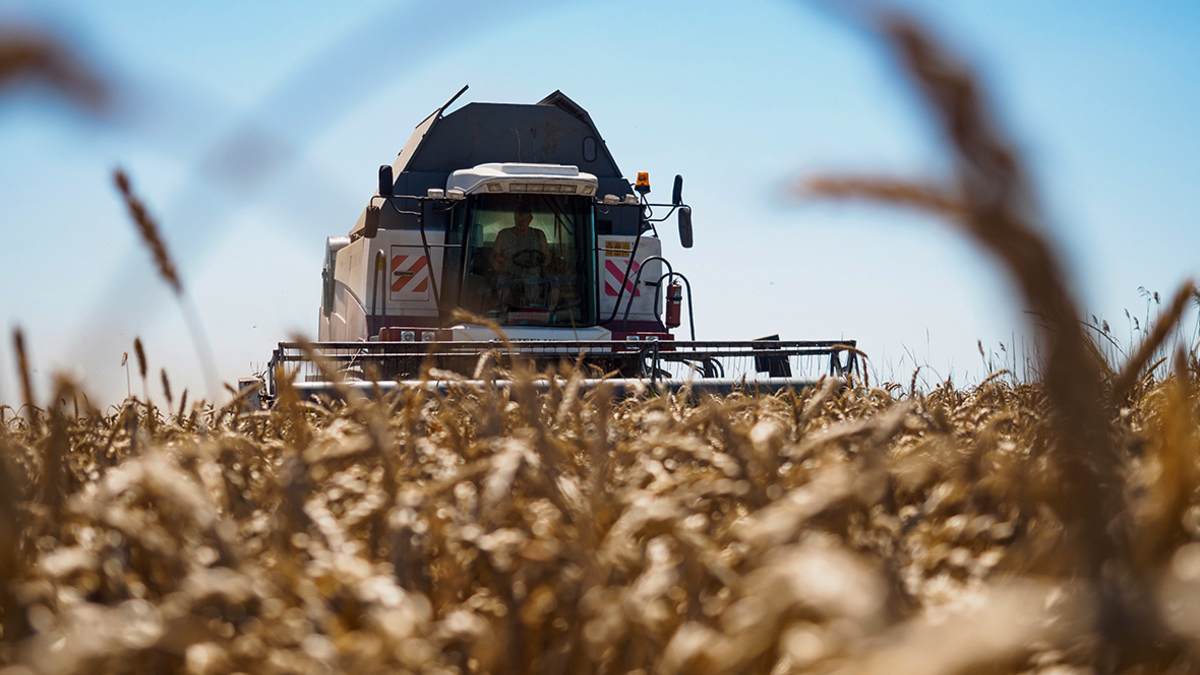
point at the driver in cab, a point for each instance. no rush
(519, 257)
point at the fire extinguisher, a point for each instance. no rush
(674, 303)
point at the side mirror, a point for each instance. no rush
(371, 222)
(677, 193)
(386, 182)
(685, 226)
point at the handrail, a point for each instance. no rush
(653, 355)
(536, 345)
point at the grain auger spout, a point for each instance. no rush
(508, 230)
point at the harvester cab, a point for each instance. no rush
(513, 222)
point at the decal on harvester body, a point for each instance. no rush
(615, 272)
(409, 274)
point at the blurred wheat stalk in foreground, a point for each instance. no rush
(991, 201)
(32, 59)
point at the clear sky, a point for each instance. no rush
(1103, 98)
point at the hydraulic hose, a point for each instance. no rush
(691, 317)
(380, 268)
(624, 281)
(638, 279)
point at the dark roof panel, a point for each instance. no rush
(555, 131)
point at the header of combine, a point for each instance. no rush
(516, 218)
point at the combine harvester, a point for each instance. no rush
(515, 218)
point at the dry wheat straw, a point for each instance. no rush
(1163, 327)
(23, 373)
(148, 229)
(141, 357)
(152, 238)
(166, 385)
(997, 209)
(26, 57)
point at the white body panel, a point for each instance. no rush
(514, 177)
(405, 286)
(613, 267)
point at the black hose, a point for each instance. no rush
(420, 215)
(381, 264)
(691, 316)
(657, 286)
(375, 293)
(429, 266)
(632, 257)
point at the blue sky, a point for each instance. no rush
(1101, 97)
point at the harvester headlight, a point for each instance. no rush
(631, 200)
(435, 193)
(611, 200)
(408, 336)
(428, 336)
(455, 194)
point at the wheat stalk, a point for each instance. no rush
(148, 230)
(152, 238)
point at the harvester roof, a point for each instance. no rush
(554, 130)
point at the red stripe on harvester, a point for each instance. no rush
(398, 260)
(615, 270)
(399, 284)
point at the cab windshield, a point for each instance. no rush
(529, 260)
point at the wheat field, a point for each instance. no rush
(1039, 525)
(503, 531)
